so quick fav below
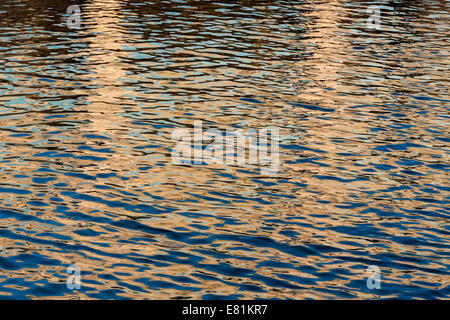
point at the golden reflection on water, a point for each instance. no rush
(363, 117)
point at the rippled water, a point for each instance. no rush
(86, 177)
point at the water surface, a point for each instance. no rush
(86, 177)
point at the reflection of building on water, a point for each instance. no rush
(105, 75)
(322, 48)
(103, 61)
(325, 71)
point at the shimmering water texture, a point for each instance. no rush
(86, 177)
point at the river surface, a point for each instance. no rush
(86, 176)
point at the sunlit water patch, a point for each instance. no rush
(86, 175)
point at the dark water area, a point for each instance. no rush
(86, 177)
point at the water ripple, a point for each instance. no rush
(86, 176)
